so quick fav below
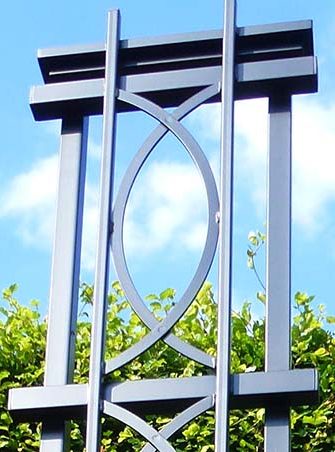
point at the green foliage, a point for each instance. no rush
(256, 242)
(22, 344)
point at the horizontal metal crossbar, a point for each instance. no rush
(249, 390)
(44, 402)
(257, 79)
(177, 52)
(169, 69)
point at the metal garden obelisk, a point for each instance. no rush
(167, 78)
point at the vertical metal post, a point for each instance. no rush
(104, 235)
(65, 270)
(278, 278)
(225, 239)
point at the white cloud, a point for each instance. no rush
(313, 164)
(251, 132)
(90, 226)
(196, 238)
(168, 207)
(30, 199)
(313, 155)
(94, 149)
(250, 147)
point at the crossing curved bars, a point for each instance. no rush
(161, 330)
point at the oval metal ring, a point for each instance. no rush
(169, 122)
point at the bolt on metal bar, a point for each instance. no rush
(225, 240)
(65, 271)
(278, 277)
(104, 234)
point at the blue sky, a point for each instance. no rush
(164, 209)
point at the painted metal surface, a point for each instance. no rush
(170, 88)
(180, 51)
(171, 123)
(225, 268)
(104, 237)
(248, 390)
(278, 278)
(65, 271)
(181, 71)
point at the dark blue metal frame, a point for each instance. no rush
(181, 71)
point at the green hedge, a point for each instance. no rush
(22, 346)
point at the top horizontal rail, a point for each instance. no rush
(171, 88)
(179, 51)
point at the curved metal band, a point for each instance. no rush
(138, 424)
(182, 419)
(161, 330)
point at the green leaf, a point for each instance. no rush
(4, 374)
(151, 296)
(156, 306)
(314, 420)
(167, 294)
(261, 297)
(320, 351)
(253, 239)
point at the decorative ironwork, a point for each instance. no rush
(150, 75)
(159, 330)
